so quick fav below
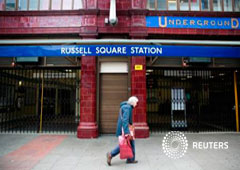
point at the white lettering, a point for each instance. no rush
(62, 50)
(110, 50)
(213, 23)
(210, 145)
(97, 50)
(195, 145)
(132, 50)
(141, 51)
(225, 145)
(146, 50)
(205, 145)
(200, 145)
(216, 145)
(76, 50)
(220, 145)
(159, 51)
(199, 22)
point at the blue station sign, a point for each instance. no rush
(192, 22)
(120, 50)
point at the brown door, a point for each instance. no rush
(113, 90)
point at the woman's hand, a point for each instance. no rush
(130, 137)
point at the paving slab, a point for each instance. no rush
(67, 152)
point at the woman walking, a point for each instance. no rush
(124, 121)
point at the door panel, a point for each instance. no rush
(113, 90)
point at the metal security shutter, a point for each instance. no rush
(113, 90)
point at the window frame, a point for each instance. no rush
(71, 5)
(73, 2)
(51, 9)
(39, 4)
(16, 4)
(38, 8)
(199, 5)
(233, 6)
(179, 6)
(28, 5)
(211, 6)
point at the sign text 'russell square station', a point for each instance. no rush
(111, 50)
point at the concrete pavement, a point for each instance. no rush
(67, 152)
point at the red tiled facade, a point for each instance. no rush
(138, 86)
(88, 127)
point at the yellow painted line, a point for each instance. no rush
(236, 100)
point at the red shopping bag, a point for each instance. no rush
(125, 147)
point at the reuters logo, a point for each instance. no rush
(175, 144)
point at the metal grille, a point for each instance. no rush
(190, 99)
(21, 100)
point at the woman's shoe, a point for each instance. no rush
(132, 162)
(109, 157)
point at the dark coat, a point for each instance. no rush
(125, 120)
